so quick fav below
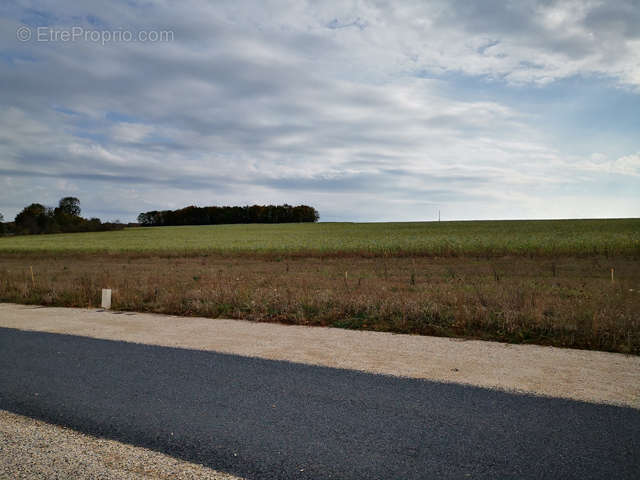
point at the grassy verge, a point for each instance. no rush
(562, 300)
(550, 238)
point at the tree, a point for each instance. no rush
(148, 218)
(35, 218)
(70, 206)
(1, 224)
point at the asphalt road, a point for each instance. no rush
(269, 419)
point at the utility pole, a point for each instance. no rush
(438, 215)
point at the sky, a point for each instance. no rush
(366, 110)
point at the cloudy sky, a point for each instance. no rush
(368, 110)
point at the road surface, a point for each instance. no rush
(258, 418)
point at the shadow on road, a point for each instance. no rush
(268, 419)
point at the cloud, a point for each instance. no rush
(342, 103)
(127, 132)
(627, 165)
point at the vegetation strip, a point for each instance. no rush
(568, 283)
(542, 238)
(568, 302)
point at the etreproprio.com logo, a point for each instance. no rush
(81, 34)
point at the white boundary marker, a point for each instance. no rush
(106, 298)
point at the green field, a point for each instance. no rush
(492, 238)
(569, 283)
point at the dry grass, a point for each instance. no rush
(564, 301)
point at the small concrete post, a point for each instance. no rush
(106, 298)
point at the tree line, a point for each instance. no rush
(220, 215)
(65, 218)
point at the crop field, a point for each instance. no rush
(479, 238)
(569, 283)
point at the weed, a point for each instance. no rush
(580, 309)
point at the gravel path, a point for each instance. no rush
(597, 377)
(31, 449)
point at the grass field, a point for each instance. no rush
(486, 238)
(545, 282)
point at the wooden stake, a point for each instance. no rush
(413, 272)
(612, 275)
(33, 279)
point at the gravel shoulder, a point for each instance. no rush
(597, 377)
(31, 449)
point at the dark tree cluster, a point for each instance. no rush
(221, 215)
(65, 218)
